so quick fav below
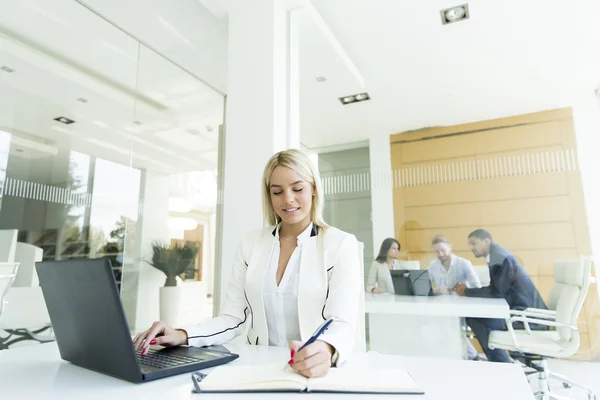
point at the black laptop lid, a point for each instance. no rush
(87, 316)
(411, 282)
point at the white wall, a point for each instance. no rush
(141, 281)
(382, 201)
(586, 118)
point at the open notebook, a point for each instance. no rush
(274, 378)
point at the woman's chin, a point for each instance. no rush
(293, 219)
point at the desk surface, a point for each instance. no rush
(444, 305)
(38, 372)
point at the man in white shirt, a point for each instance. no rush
(447, 271)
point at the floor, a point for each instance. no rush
(583, 372)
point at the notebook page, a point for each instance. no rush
(253, 377)
(365, 381)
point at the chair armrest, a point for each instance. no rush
(526, 321)
(541, 311)
(534, 313)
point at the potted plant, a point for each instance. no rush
(172, 261)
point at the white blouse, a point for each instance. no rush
(281, 302)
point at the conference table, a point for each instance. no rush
(425, 325)
(37, 372)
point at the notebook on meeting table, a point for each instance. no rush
(275, 378)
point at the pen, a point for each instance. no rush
(320, 330)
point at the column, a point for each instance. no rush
(382, 201)
(256, 120)
(586, 118)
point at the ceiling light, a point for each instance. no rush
(82, 100)
(137, 122)
(455, 14)
(355, 98)
(321, 79)
(7, 69)
(64, 120)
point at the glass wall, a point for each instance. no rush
(107, 149)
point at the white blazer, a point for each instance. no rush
(329, 286)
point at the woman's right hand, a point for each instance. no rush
(159, 333)
(376, 290)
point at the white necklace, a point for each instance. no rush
(291, 239)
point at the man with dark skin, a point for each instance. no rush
(508, 280)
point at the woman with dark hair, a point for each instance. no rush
(380, 279)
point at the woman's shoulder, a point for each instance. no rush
(334, 235)
(250, 238)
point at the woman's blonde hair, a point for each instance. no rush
(299, 162)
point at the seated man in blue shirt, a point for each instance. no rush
(448, 270)
(508, 280)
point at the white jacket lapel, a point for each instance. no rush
(312, 288)
(257, 267)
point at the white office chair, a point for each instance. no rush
(8, 245)
(572, 280)
(361, 339)
(27, 255)
(8, 271)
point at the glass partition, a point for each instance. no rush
(106, 148)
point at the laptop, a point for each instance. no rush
(91, 329)
(411, 282)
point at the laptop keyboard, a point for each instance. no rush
(155, 358)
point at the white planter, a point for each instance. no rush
(169, 302)
(182, 304)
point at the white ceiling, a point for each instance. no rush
(61, 52)
(509, 58)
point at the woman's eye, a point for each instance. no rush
(276, 193)
(298, 190)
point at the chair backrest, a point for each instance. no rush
(572, 280)
(8, 244)
(27, 255)
(8, 271)
(483, 273)
(361, 339)
(412, 264)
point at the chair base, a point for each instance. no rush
(544, 375)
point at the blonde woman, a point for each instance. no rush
(380, 278)
(287, 278)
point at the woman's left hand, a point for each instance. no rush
(312, 361)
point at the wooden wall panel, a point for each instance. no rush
(534, 209)
(518, 138)
(507, 188)
(439, 149)
(555, 235)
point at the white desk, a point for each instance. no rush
(38, 372)
(425, 325)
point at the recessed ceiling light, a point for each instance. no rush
(82, 100)
(64, 120)
(355, 98)
(321, 79)
(455, 14)
(137, 122)
(7, 69)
